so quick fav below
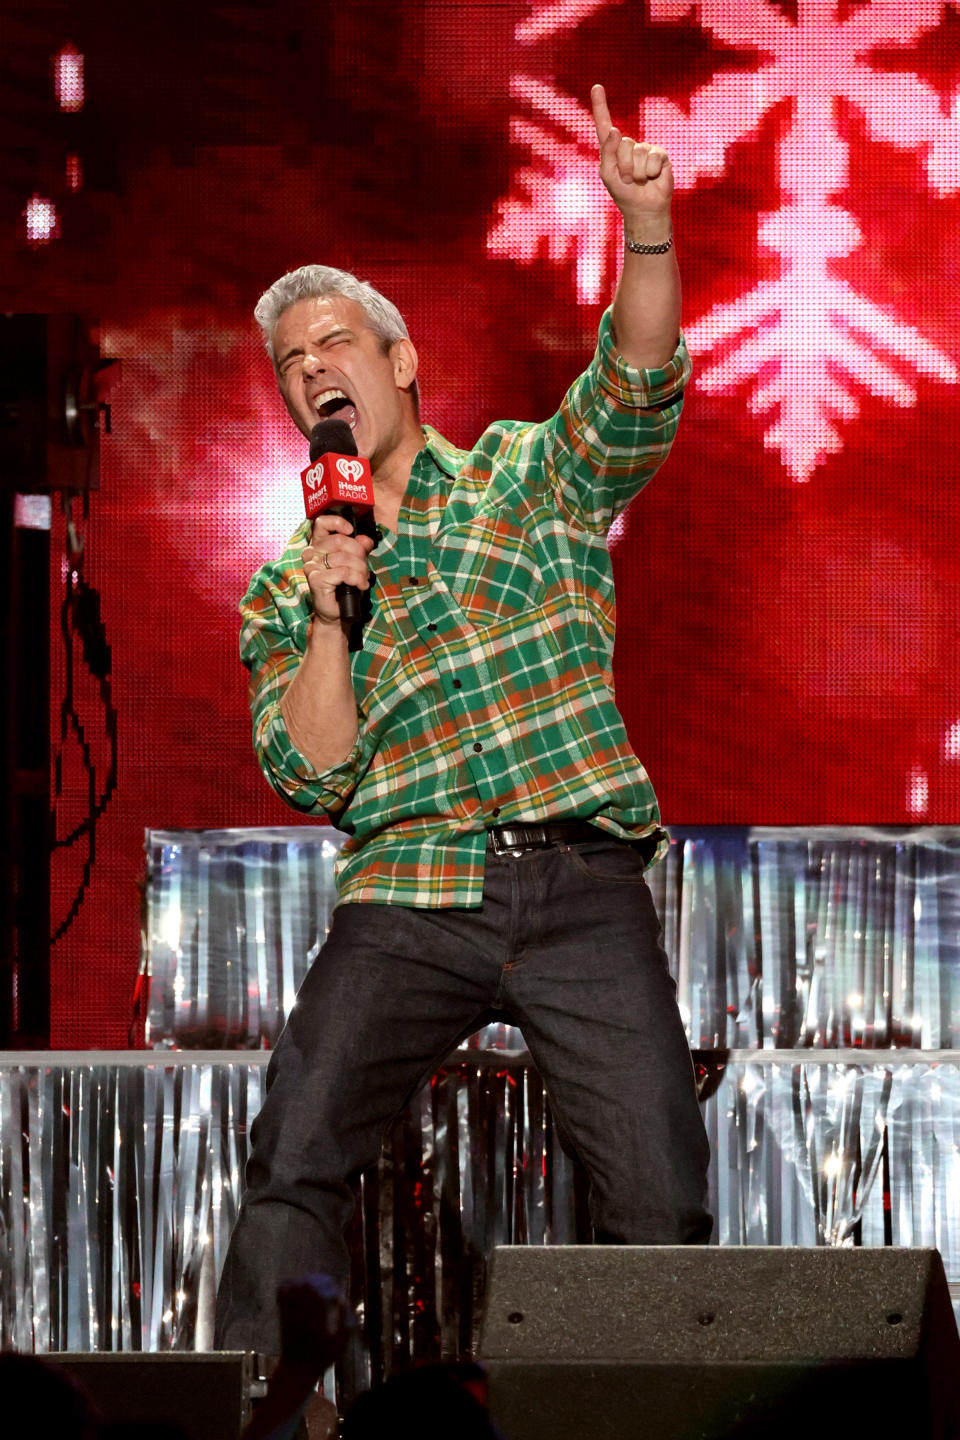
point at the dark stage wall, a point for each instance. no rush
(789, 584)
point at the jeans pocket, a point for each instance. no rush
(610, 862)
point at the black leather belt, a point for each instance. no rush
(514, 839)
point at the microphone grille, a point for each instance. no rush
(332, 435)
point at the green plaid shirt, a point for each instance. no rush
(485, 685)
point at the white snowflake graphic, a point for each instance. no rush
(807, 342)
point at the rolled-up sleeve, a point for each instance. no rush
(613, 431)
(275, 613)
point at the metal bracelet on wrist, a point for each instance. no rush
(636, 248)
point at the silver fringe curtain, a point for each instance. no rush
(120, 1180)
(819, 974)
(821, 939)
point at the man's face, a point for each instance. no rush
(331, 364)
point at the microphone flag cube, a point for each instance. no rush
(334, 481)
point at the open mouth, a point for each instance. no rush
(334, 403)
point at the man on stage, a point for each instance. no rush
(499, 824)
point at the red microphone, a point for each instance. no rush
(338, 481)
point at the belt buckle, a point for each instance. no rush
(501, 846)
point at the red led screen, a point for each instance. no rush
(789, 588)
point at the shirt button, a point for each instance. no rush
(495, 811)
(458, 684)
(477, 745)
(412, 580)
(431, 627)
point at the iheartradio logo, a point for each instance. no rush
(333, 480)
(350, 469)
(357, 490)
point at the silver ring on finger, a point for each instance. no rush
(326, 560)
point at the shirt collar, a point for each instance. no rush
(449, 459)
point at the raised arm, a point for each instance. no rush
(639, 177)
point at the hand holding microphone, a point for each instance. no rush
(335, 560)
(337, 491)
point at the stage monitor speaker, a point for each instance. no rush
(708, 1343)
(205, 1395)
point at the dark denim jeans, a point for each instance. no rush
(566, 945)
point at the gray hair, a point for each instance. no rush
(312, 281)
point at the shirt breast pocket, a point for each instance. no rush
(490, 568)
